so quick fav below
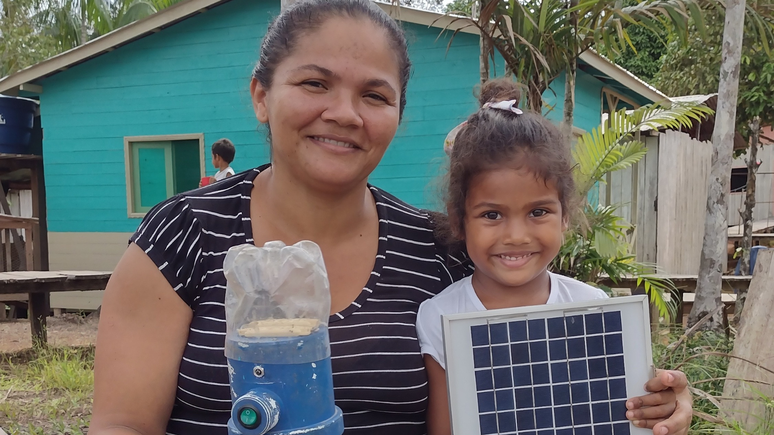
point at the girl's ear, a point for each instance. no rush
(457, 228)
(258, 94)
(565, 223)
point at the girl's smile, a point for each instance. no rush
(516, 260)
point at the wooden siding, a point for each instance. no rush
(193, 78)
(588, 101)
(764, 190)
(646, 223)
(684, 166)
(634, 191)
(86, 250)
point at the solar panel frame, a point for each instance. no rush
(539, 403)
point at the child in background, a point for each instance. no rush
(223, 152)
(510, 198)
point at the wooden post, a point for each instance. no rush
(4, 209)
(37, 310)
(7, 256)
(749, 371)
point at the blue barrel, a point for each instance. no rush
(16, 117)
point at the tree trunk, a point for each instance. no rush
(483, 60)
(747, 214)
(715, 241)
(569, 99)
(84, 29)
(483, 67)
(570, 74)
(749, 201)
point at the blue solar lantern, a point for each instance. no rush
(277, 346)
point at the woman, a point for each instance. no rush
(331, 85)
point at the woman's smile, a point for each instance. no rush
(334, 107)
(335, 144)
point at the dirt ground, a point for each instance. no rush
(67, 330)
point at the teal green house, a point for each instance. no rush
(128, 118)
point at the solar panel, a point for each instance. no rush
(550, 369)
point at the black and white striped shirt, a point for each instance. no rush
(379, 378)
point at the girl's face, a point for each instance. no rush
(333, 106)
(513, 228)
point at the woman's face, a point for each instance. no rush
(333, 106)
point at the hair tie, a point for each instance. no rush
(508, 106)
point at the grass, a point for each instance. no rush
(704, 358)
(46, 391)
(49, 391)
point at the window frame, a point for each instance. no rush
(738, 170)
(129, 160)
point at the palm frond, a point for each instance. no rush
(612, 146)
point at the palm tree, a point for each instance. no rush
(540, 39)
(21, 41)
(75, 22)
(600, 244)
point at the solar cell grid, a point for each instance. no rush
(553, 376)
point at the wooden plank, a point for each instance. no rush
(93, 251)
(85, 300)
(682, 192)
(686, 285)
(6, 210)
(749, 371)
(44, 282)
(29, 258)
(685, 277)
(7, 244)
(38, 311)
(14, 297)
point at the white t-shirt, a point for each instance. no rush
(461, 298)
(223, 174)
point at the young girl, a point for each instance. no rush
(509, 199)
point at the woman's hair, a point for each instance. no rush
(306, 16)
(494, 138)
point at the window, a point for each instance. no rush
(158, 167)
(738, 180)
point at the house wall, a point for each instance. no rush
(683, 173)
(764, 190)
(588, 110)
(588, 101)
(193, 77)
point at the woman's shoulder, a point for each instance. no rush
(417, 229)
(196, 208)
(401, 211)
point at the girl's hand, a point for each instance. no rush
(667, 409)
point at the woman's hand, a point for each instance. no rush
(667, 409)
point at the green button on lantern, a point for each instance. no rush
(249, 418)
